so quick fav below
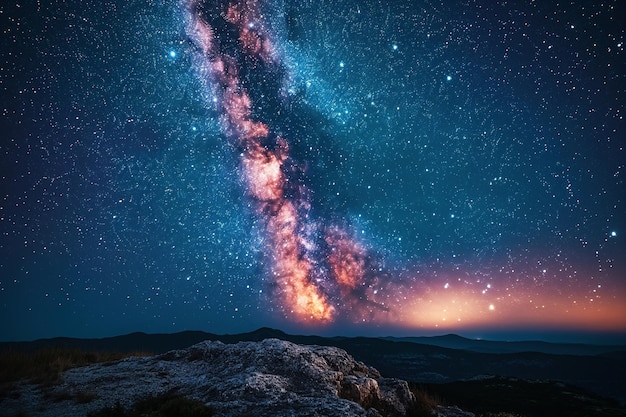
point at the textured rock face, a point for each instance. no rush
(268, 378)
(451, 412)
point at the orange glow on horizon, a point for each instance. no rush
(451, 310)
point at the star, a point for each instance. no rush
(331, 192)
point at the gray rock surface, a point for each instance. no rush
(268, 378)
(441, 411)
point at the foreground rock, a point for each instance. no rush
(268, 378)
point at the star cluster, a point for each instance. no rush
(354, 165)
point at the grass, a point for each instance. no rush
(509, 397)
(425, 402)
(46, 366)
(425, 397)
(165, 405)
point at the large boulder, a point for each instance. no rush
(268, 378)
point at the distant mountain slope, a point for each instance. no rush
(454, 341)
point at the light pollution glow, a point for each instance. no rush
(452, 309)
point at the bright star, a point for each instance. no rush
(394, 47)
(613, 233)
(449, 78)
(172, 54)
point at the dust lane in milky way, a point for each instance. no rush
(318, 270)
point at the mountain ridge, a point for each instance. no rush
(493, 346)
(161, 342)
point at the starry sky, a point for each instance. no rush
(333, 167)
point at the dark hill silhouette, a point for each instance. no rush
(488, 346)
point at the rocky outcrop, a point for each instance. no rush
(268, 378)
(441, 411)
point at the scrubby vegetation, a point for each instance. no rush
(45, 366)
(511, 397)
(425, 403)
(166, 405)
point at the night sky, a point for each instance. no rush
(331, 167)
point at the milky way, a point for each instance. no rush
(318, 269)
